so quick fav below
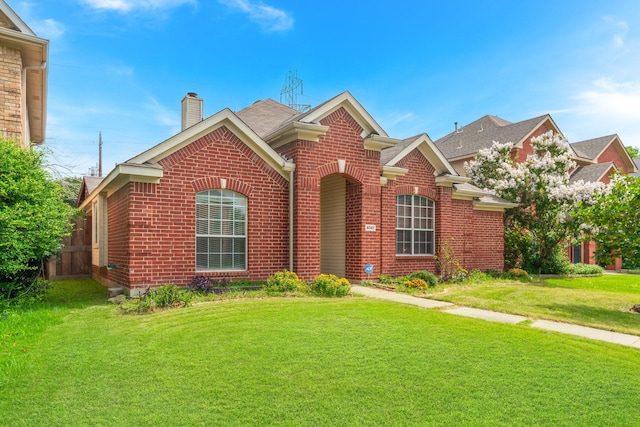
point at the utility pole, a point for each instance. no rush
(100, 155)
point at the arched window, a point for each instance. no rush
(415, 225)
(221, 230)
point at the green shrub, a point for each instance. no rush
(430, 279)
(330, 285)
(286, 281)
(166, 296)
(584, 269)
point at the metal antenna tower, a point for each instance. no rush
(289, 92)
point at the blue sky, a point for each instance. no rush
(123, 66)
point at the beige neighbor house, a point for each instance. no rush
(23, 79)
(596, 159)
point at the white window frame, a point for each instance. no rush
(221, 231)
(415, 225)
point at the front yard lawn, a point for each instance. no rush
(301, 361)
(601, 302)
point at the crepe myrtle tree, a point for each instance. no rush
(548, 215)
(615, 218)
(33, 217)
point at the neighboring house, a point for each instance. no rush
(637, 162)
(596, 159)
(267, 188)
(23, 74)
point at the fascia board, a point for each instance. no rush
(15, 18)
(495, 207)
(449, 180)
(222, 118)
(392, 172)
(546, 118)
(121, 175)
(294, 131)
(435, 157)
(354, 108)
(616, 140)
(375, 142)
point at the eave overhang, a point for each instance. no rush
(295, 131)
(123, 174)
(375, 142)
(35, 54)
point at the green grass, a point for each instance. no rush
(601, 302)
(301, 361)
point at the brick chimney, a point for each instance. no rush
(191, 110)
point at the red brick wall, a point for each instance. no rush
(611, 154)
(421, 176)
(160, 228)
(118, 236)
(521, 154)
(362, 172)
(488, 238)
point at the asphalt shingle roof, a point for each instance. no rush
(389, 153)
(264, 117)
(469, 139)
(637, 162)
(590, 148)
(590, 173)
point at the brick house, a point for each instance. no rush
(268, 188)
(23, 79)
(596, 159)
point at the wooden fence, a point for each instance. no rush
(74, 259)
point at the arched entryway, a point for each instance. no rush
(333, 228)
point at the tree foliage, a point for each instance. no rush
(549, 205)
(634, 152)
(616, 219)
(33, 215)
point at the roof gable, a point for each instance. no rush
(592, 149)
(352, 106)
(223, 118)
(89, 183)
(468, 140)
(389, 157)
(10, 19)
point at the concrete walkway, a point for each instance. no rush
(492, 316)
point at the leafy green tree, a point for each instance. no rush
(33, 216)
(615, 216)
(634, 152)
(548, 215)
(71, 189)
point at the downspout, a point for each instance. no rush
(290, 167)
(291, 220)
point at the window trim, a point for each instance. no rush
(430, 207)
(231, 237)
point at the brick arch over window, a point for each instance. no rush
(230, 184)
(429, 193)
(350, 171)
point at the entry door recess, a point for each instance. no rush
(333, 202)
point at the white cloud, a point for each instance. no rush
(48, 29)
(610, 99)
(620, 31)
(124, 6)
(605, 107)
(267, 17)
